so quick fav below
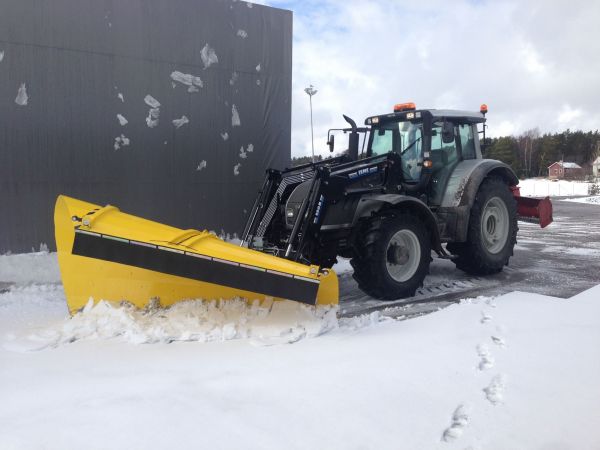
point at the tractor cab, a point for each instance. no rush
(429, 142)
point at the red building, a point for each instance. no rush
(566, 170)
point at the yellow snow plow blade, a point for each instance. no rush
(105, 254)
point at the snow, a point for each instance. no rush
(592, 200)
(39, 267)
(541, 187)
(202, 165)
(121, 141)
(154, 112)
(235, 117)
(571, 165)
(178, 123)
(151, 101)
(122, 120)
(208, 55)
(193, 82)
(22, 98)
(515, 371)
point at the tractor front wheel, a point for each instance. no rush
(393, 255)
(492, 231)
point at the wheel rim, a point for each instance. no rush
(403, 255)
(494, 225)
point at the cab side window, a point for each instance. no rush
(382, 142)
(442, 154)
(467, 141)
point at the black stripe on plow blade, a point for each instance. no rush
(196, 267)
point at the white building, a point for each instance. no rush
(596, 167)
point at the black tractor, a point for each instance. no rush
(420, 183)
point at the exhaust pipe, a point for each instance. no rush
(352, 139)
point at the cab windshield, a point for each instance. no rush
(404, 138)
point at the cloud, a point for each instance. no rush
(526, 60)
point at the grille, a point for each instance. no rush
(294, 178)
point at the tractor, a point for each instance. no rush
(421, 185)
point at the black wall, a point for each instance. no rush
(76, 56)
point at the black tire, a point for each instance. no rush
(376, 253)
(478, 256)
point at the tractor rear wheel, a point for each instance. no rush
(492, 232)
(393, 255)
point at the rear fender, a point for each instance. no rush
(377, 203)
(462, 189)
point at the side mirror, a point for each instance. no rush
(331, 143)
(447, 133)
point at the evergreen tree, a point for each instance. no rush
(505, 149)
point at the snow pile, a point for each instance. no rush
(31, 306)
(192, 320)
(39, 267)
(541, 187)
(594, 200)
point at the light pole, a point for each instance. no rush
(311, 91)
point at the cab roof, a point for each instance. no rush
(436, 114)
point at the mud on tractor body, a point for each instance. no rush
(420, 185)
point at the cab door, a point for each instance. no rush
(445, 157)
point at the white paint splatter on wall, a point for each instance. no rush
(233, 79)
(193, 82)
(122, 120)
(208, 55)
(121, 141)
(1, 55)
(250, 148)
(242, 33)
(258, 82)
(180, 122)
(22, 97)
(258, 68)
(201, 166)
(235, 117)
(225, 136)
(243, 154)
(120, 96)
(236, 169)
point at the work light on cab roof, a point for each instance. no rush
(409, 106)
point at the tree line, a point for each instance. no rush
(531, 153)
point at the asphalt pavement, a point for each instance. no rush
(560, 260)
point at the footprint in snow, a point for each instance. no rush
(485, 318)
(495, 391)
(486, 359)
(460, 419)
(490, 302)
(498, 341)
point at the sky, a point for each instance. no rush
(534, 63)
